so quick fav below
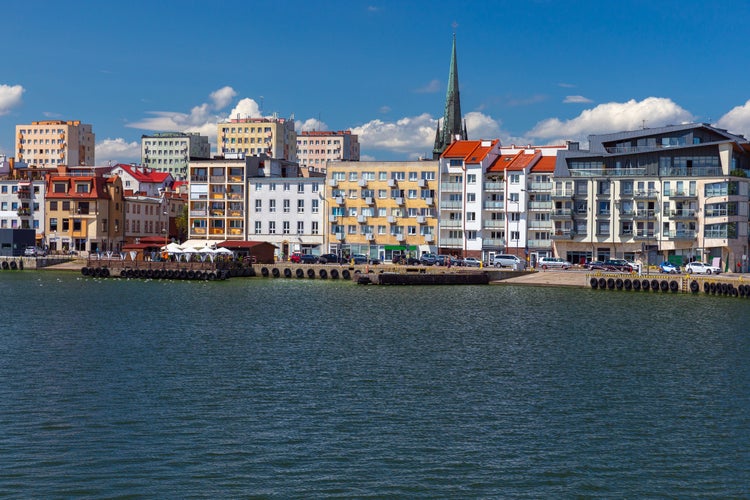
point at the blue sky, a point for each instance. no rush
(531, 72)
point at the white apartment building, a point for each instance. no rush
(143, 180)
(55, 142)
(170, 152)
(287, 212)
(21, 197)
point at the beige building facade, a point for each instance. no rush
(274, 137)
(51, 143)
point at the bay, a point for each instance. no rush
(288, 388)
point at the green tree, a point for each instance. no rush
(181, 222)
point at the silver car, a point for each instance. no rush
(701, 268)
(554, 263)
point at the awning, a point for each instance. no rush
(410, 248)
(199, 243)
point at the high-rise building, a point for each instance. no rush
(55, 142)
(451, 128)
(171, 151)
(316, 148)
(274, 137)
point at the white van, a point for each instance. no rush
(504, 260)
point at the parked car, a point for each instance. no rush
(701, 268)
(34, 252)
(504, 260)
(444, 260)
(554, 263)
(308, 258)
(329, 258)
(295, 258)
(617, 265)
(593, 264)
(428, 259)
(470, 262)
(635, 266)
(669, 268)
(360, 258)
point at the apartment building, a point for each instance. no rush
(85, 210)
(315, 149)
(50, 143)
(21, 197)
(676, 192)
(287, 213)
(381, 209)
(170, 152)
(466, 195)
(274, 137)
(143, 180)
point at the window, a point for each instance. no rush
(471, 197)
(471, 178)
(471, 216)
(53, 224)
(514, 178)
(314, 228)
(352, 176)
(286, 186)
(286, 206)
(315, 206)
(300, 188)
(257, 227)
(258, 205)
(339, 176)
(300, 206)
(411, 194)
(285, 227)
(300, 227)
(382, 176)
(271, 227)
(413, 176)
(59, 187)
(271, 205)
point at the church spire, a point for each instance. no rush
(452, 127)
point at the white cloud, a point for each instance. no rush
(575, 99)
(481, 126)
(612, 117)
(10, 97)
(430, 88)
(246, 108)
(222, 97)
(737, 120)
(411, 135)
(117, 151)
(310, 125)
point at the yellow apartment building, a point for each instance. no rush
(274, 137)
(381, 209)
(55, 142)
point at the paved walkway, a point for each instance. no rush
(549, 278)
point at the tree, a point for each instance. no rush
(181, 222)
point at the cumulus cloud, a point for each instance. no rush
(430, 88)
(246, 108)
(117, 151)
(411, 135)
(10, 97)
(612, 117)
(737, 120)
(575, 99)
(222, 97)
(309, 125)
(481, 126)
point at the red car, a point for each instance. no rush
(295, 258)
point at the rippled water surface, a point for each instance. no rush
(309, 389)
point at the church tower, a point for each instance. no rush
(451, 128)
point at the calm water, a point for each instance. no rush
(309, 389)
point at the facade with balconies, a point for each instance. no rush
(22, 192)
(50, 143)
(381, 209)
(676, 192)
(170, 152)
(270, 136)
(315, 149)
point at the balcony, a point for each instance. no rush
(392, 183)
(540, 206)
(645, 215)
(452, 242)
(218, 178)
(539, 243)
(682, 195)
(450, 223)
(428, 238)
(539, 187)
(369, 200)
(235, 231)
(563, 234)
(680, 234)
(339, 200)
(493, 242)
(399, 200)
(362, 183)
(199, 230)
(333, 182)
(198, 213)
(198, 178)
(561, 213)
(494, 187)
(400, 237)
(644, 235)
(217, 213)
(421, 219)
(429, 201)
(369, 236)
(452, 187)
(495, 224)
(24, 212)
(493, 205)
(422, 183)
(646, 195)
(362, 219)
(539, 224)
(391, 219)
(339, 236)
(561, 194)
(685, 213)
(333, 218)
(627, 215)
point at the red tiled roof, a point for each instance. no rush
(545, 164)
(144, 174)
(470, 151)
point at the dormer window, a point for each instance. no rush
(82, 187)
